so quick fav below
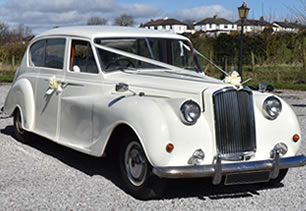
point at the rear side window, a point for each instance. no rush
(37, 53)
(55, 51)
(48, 53)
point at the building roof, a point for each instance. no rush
(287, 24)
(214, 20)
(92, 32)
(252, 22)
(164, 22)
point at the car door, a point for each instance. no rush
(47, 96)
(83, 87)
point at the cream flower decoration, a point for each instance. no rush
(54, 85)
(233, 79)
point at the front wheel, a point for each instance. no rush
(136, 171)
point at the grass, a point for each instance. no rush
(281, 85)
(7, 75)
(279, 76)
(6, 78)
(7, 72)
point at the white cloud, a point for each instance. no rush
(141, 10)
(42, 15)
(199, 13)
(60, 6)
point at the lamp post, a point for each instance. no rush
(243, 14)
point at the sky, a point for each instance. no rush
(41, 15)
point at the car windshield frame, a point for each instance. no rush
(146, 53)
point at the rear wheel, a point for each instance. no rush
(19, 133)
(136, 171)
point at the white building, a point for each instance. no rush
(286, 26)
(167, 24)
(215, 26)
(254, 26)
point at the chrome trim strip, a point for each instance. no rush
(275, 171)
(231, 88)
(217, 169)
(238, 156)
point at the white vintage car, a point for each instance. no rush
(142, 95)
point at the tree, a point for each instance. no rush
(24, 31)
(124, 20)
(20, 33)
(300, 12)
(95, 20)
(190, 23)
(4, 32)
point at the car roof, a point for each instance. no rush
(93, 32)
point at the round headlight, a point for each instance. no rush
(191, 111)
(272, 107)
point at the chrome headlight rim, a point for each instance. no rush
(188, 117)
(272, 107)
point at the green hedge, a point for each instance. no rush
(12, 53)
(258, 49)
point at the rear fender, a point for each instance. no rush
(21, 96)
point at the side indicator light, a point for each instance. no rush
(169, 147)
(296, 138)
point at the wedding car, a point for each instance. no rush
(140, 97)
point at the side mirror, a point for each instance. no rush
(122, 87)
(262, 87)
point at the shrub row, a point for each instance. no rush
(258, 49)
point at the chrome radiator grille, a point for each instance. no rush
(234, 121)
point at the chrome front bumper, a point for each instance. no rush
(217, 170)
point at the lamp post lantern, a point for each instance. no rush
(243, 14)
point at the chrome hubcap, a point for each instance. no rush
(135, 163)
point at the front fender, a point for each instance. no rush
(21, 96)
(143, 115)
(156, 122)
(271, 132)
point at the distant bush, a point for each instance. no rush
(12, 53)
(265, 48)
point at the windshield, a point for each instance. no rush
(147, 50)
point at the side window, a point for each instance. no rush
(37, 52)
(48, 53)
(82, 58)
(55, 52)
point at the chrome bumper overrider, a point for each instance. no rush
(217, 170)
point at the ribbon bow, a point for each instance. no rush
(233, 79)
(54, 85)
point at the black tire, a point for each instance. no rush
(136, 172)
(19, 133)
(277, 180)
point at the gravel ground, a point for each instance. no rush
(46, 176)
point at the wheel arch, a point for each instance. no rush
(21, 97)
(112, 145)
